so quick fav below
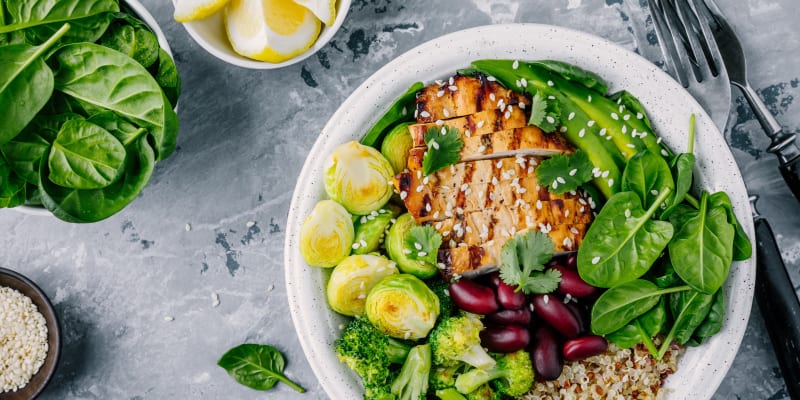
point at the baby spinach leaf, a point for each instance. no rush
(647, 175)
(688, 309)
(26, 84)
(24, 152)
(626, 337)
(574, 73)
(87, 29)
(132, 38)
(168, 78)
(109, 80)
(621, 304)
(742, 248)
(12, 187)
(80, 205)
(642, 329)
(85, 156)
(563, 173)
(258, 367)
(123, 130)
(667, 277)
(713, 322)
(623, 242)
(703, 247)
(43, 17)
(683, 171)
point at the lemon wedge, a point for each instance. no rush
(192, 10)
(270, 30)
(325, 10)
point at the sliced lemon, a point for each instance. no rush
(325, 10)
(270, 30)
(192, 10)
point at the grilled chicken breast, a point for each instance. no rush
(464, 95)
(480, 123)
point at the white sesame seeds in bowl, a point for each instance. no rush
(30, 338)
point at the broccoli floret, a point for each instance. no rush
(412, 382)
(512, 375)
(370, 354)
(449, 394)
(457, 339)
(484, 392)
(378, 392)
(443, 377)
(440, 288)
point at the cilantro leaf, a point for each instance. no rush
(531, 250)
(422, 244)
(563, 173)
(546, 114)
(444, 148)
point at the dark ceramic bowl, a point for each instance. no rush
(39, 381)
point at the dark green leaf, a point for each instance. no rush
(683, 172)
(12, 187)
(713, 322)
(522, 263)
(626, 337)
(133, 39)
(123, 130)
(26, 14)
(444, 148)
(667, 277)
(702, 247)
(742, 248)
(422, 244)
(647, 175)
(85, 156)
(26, 150)
(621, 304)
(565, 173)
(654, 321)
(167, 77)
(642, 329)
(87, 29)
(401, 110)
(109, 80)
(576, 74)
(623, 242)
(689, 309)
(258, 367)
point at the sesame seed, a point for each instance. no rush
(614, 116)
(555, 185)
(428, 207)
(495, 181)
(602, 132)
(491, 78)
(422, 254)
(551, 97)
(550, 83)
(440, 93)
(424, 114)
(620, 107)
(416, 114)
(479, 124)
(481, 149)
(659, 140)
(561, 180)
(639, 116)
(610, 183)
(626, 117)
(596, 260)
(627, 213)
(439, 122)
(438, 225)
(571, 116)
(518, 83)
(403, 195)
(538, 204)
(420, 188)
(546, 299)
(582, 132)
(515, 64)
(582, 209)
(608, 137)
(363, 243)
(524, 83)
(563, 129)
(590, 123)
(508, 113)
(605, 174)
(566, 212)
(446, 112)
(664, 153)
(467, 133)
(425, 180)
(550, 119)
(451, 80)
(573, 171)
(624, 128)
(453, 88)
(589, 98)
(499, 164)
(464, 187)
(492, 97)
(522, 105)
(631, 145)
(654, 192)
(574, 230)
(434, 145)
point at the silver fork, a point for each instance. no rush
(691, 55)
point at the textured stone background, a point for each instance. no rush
(212, 218)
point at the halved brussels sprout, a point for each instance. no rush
(358, 177)
(396, 145)
(403, 307)
(395, 246)
(353, 278)
(371, 229)
(327, 235)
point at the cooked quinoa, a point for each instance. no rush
(622, 374)
(23, 340)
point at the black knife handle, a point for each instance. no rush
(791, 174)
(779, 306)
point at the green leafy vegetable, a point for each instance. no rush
(40, 18)
(702, 248)
(544, 113)
(623, 242)
(683, 170)
(85, 156)
(132, 38)
(444, 148)
(12, 187)
(667, 276)
(258, 367)
(713, 322)
(422, 243)
(689, 309)
(742, 248)
(123, 130)
(647, 175)
(401, 110)
(579, 75)
(26, 150)
(531, 250)
(621, 304)
(642, 329)
(564, 173)
(168, 78)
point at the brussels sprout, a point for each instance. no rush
(327, 235)
(396, 145)
(403, 307)
(358, 177)
(395, 246)
(353, 278)
(371, 229)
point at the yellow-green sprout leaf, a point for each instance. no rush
(327, 235)
(522, 263)
(352, 280)
(358, 177)
(422, 244)
(444, 148)
(564, 173)
(403, 307)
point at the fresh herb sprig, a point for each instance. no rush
(422, 244)
(444, 148)
(563, 173)
(546, 114)
(523, 258)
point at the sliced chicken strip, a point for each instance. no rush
(480, 123)
(464, 95)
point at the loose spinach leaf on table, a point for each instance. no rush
(258, 367)
(40, 18)
(689, 309)
(621, 304)
(647, 175)
(623, 242)
(713, 322)
(123, 86)
(85, 156)
(742, 248)
(26, 84)
(702, 248)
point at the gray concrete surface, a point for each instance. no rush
(213, 216)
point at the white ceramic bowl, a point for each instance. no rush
(700, 369)
(145, 16)
(210, 34)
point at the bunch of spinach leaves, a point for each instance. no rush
(88, 101)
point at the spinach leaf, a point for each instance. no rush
(667, 277)
(40, 18)
(168, 78)
(576, 74)
(647, 175)
(626, 337)
(132, 38)
(85, 156)
(742, 248)
(123, 130)
(688, 309)
(26, 84)
(109, 80)
(642, 329)
(87, 29)
(24, 152)
(713, 322)
(79, 205)
(258, 367)
(654, 321)
(12, 187)
(683, 169)
(623, 242)
(621, 304)
(704, 247)
(4, 40)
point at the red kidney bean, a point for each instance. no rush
(508, 298)
(572, 284)
(572, 261)
(546, 354)
(584, 347)
(473, 297)
(506, 317)
(494, 280)
(505, 339)
(553, 311)
(580, 314)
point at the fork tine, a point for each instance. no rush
(706, 18)
(679, 38)
(697, 50)
(666, 43)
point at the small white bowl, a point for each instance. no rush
(210, 34)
